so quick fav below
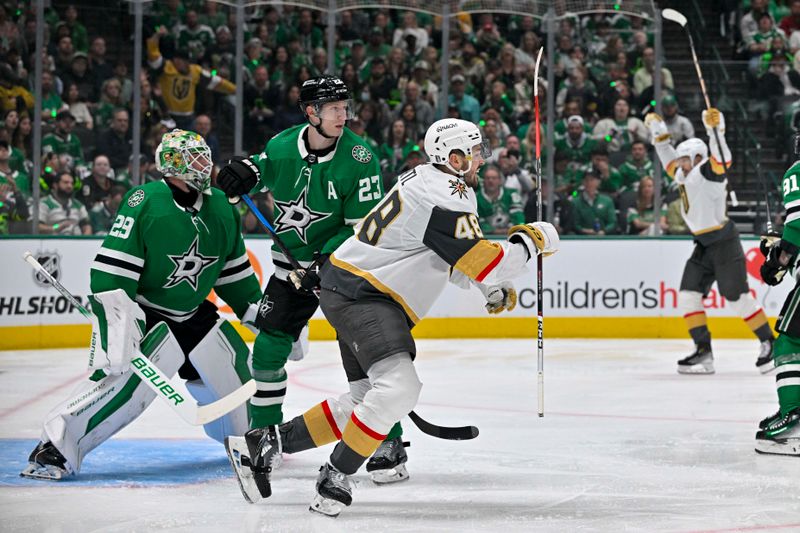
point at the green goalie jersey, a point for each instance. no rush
(791, 200)
(168, 259)
(318, 200)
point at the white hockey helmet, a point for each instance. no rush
(691, 148)
(450, 134)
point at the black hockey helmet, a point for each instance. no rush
(323, 89)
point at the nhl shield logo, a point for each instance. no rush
(51, 261)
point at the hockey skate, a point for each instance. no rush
(253, 458)
(781, 436)
(700, 362)
(770, 420)
(765, 362)
(387, 464)
(333, 492)
(46, 462)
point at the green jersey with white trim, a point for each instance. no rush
(168, 258)
(317, 200)
(791, 200)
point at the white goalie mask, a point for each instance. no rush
(691, 148)
(450, 134)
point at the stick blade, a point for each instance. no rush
(674, 16)
(443, 432)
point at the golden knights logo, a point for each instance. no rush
(458, 187)
(51, 261)
(181, 87)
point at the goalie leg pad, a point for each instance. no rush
(76, 429)
(220, 359)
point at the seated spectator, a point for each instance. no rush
(775, 84)
(77, 107)
(571, 108)
(203, 126)
(410, 36)
(393, 152)
(749, 23)
(110, 100)
(767, 39)
(358, 127)
(468, 106)
(414, 126)
(78, 73)
(178, 79)
(644, 76)
(62, 141)
(428, 90)
(594, 211)
(515, 177)
(578, 89)
(289, 114)
(99, 66)
(679, 126)
(12, 94)
(147, 171)
(60, 213)
(499, 208)
(260, 98)
(791, 22)
(423, 111)
(97, 186)
(77, 31)
(577, 145)
(499, 99)
(621, 130)
(102, 215)
(115, 142)
(600, 165)
(153, 109)
(379, 83)
(64, 50)
(676, 225)
(195, 37)
(51, 101)
(636, 167)
(492, 136)
(561, 217)
(642, 218)
(13, 204)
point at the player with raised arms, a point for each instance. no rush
(375, 288)
(718, 254)
(172, 242)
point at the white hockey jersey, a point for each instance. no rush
(425, 229)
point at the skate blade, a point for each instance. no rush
(790, 447)
(44, 472)
(390, 475)
(235, 446)
(326, 506)
(700, 369)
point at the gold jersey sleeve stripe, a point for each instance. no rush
(479, 261)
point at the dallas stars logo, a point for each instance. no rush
(296, 215)
(189, 266)
(458, 187)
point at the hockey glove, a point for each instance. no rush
(768, 241)
(536, 237)
(308, 278)
(780, 258)
(499, 298)
(238, 177)
(714, 119)
(121, 324)
(659, 134)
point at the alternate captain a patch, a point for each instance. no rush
(458, 187)
(189, 266)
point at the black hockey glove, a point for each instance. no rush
(308, 278)
(768, 240)
(238, 177)
(780, 258)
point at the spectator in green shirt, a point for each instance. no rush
(62, 141)
(80, 37)
(102, 215)
(577, 145)
(499, 208)
(636, 167)
(51, 101)
(594, 211)
(642, 218)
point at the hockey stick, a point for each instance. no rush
(678, 18)
(539, 268)
(442, 432)
(173, 393)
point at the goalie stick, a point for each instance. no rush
(441, 432)
(172, 392)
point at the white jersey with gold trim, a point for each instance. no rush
(407, 247)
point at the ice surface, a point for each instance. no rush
(626, 444)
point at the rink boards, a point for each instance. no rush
(603, 288)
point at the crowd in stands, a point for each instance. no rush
(390, 59)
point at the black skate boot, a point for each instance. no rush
(46, 462)
(764, 424)
(387, 464)
(782, 436)
(765, 362)
(253, 457)
(333, 492)
(700, 362)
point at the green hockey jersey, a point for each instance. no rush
(499, 214)
(791, 200)
(168, 259)
(317, 200)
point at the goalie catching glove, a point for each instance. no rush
(308, 278)
(238, 177)
(780, 257)
(119, 328)
(537, 237)
(499, 298)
